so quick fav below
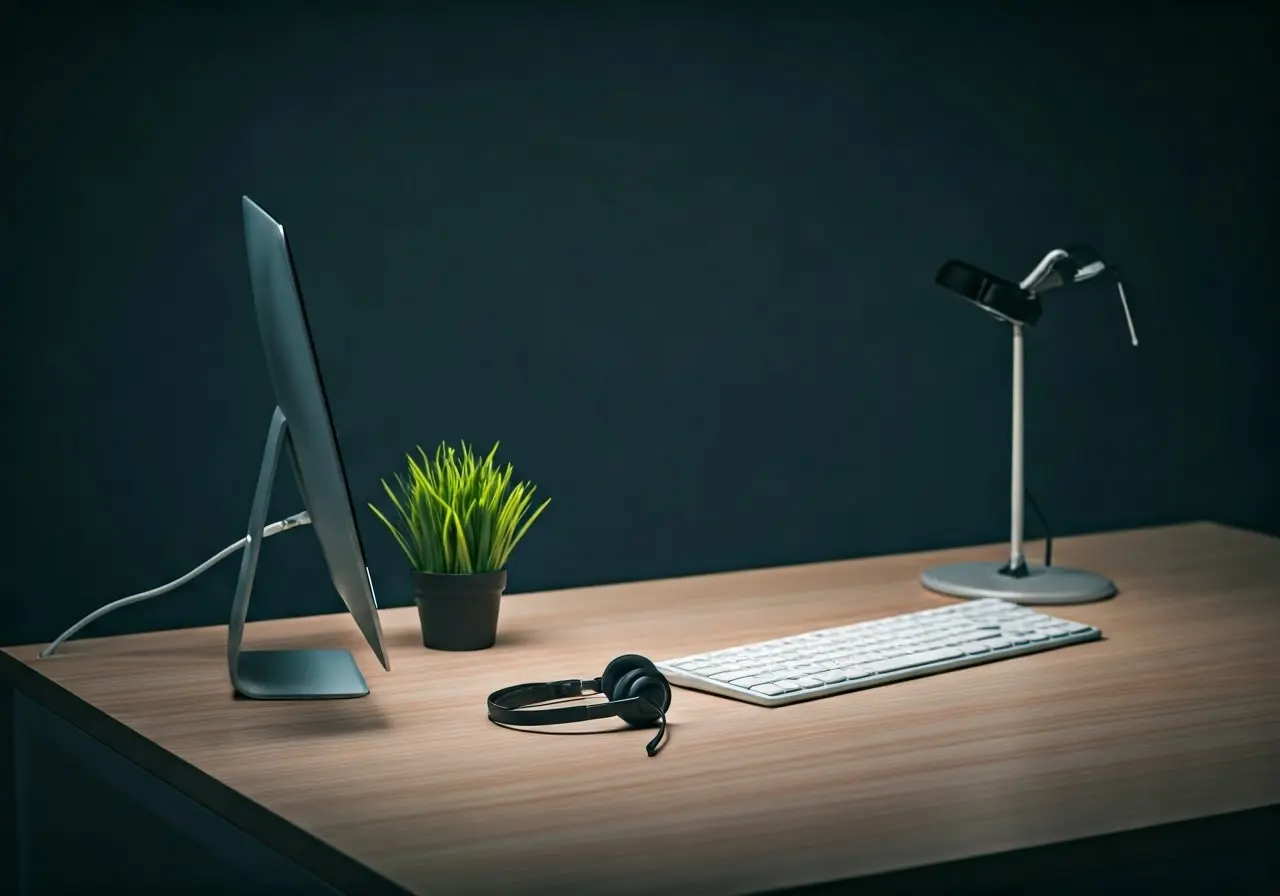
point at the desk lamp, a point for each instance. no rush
(1021, 306)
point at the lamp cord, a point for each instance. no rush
(1044, 524)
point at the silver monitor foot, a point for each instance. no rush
(298, 675)
(1041, 585)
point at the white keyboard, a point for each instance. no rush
(867, 654)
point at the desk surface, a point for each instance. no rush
(1174, 716)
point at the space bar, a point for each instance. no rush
(913, 659)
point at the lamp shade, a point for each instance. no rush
(1003, 298)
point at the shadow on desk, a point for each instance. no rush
(315, 721)
(1226, 854)
(601, 728)
(509, 637)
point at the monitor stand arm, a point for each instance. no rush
(280, 674)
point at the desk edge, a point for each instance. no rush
(327, 863)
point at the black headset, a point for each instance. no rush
(637, 693)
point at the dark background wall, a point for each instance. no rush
(679, 259)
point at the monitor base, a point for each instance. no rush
(1042, 585)
(298, 675)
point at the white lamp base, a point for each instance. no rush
(1041, 585)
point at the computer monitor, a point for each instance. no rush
(301, 429)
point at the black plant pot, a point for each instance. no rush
(458, 612)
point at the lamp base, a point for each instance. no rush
(1041, 585)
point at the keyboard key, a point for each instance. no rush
(914, 659)
(786, 684)
(808, 683)
(771, 690)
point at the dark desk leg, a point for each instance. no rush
(92, 821)
(10, 853)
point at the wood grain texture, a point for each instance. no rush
(1174, 716)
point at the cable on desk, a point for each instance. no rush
(298, 519)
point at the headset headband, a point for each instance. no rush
(636, 692)
(507, 705)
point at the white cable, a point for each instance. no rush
(299, 519)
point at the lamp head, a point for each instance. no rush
(1019, 303)
(1075, 264)
(999, 297)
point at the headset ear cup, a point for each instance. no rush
(656, 690)
(652, 689)
(633, 715)
(617, 670)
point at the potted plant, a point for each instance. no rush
(459, 520)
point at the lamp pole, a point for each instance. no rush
(1017, 561)
(1017, 567)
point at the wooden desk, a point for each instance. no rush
(1174, 717)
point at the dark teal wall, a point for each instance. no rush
(679, 262)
